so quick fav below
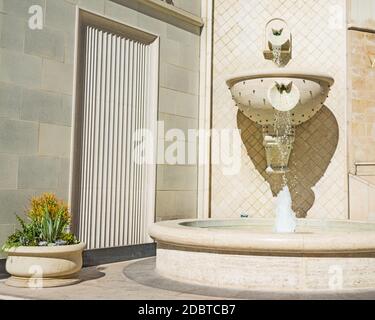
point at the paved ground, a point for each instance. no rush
(137, 280)
(103, 282)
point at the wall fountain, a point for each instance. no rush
(279, 99)
(261, 254)
(278, 42)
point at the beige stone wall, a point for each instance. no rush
(192, 6)
(362, 109)
(362, 198)
(361, 115)
(318, 177)
(36, 86)
(362, 13)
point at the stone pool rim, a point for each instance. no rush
(193, 234)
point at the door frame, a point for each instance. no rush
(86, 18)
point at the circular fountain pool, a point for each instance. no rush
(247, 254)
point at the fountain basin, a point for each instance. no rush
(279, 100)
(255, 94)
(245, 254)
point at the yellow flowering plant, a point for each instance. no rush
(48, 223)
(48, 202)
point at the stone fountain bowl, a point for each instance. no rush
(246, 254)
(257, 96)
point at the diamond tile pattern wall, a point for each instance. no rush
(319, 44)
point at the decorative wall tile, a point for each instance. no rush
(319, 179)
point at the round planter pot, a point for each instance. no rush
(44, 267)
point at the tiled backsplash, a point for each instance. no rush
(318, 176)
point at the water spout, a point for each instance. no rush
(285, 217)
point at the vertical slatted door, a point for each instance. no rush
(115, 206)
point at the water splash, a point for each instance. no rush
(286, 221)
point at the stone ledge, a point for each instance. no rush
(257, 238)
(165, 12)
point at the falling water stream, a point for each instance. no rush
(285, 217)
(284, 132)
(276, 52)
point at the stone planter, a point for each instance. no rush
(43, 267)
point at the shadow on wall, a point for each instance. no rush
(315, 144)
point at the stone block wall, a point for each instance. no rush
(362, 111)
(36, 103)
